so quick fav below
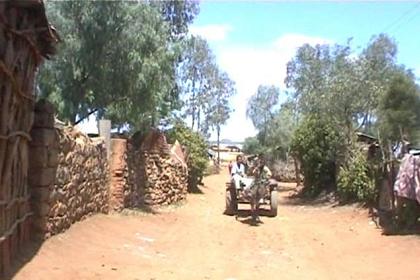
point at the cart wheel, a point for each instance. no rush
(231, 202)
(273, 204)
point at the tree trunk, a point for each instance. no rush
(198, 120)
(297, 170)
(193, 102)
(218, 145)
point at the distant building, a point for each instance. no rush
(235, 149)
(226, 148)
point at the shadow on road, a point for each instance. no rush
(195, 189)
(244, 216)
(297, 200)
(249, 221)
(24, 257)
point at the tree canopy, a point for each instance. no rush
(260, 108)
(333, 92)
(135, 64)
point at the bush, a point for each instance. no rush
(317, 144)
(197, 152)
(253, 146)
(355, 179)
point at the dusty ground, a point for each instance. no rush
(196, 241)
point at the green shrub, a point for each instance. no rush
(197, 152)
(317, 144)
(356, 179)
(254, 146)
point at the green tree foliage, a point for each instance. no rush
(179, 14)
(279, 136)
(357, 179)
(206, 89)
(117, 59)
(280, 132)
(376, 68)
(331, 80)
(251, 145)
(218, 109)
(195, 77)
(196, 149)
(350, 92)
(317, 144)
(399, 114)
(260, 109)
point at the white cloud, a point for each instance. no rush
(212, 32)
(417, 72)
(250, 67)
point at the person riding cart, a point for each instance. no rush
(255, 189)
(261, 172)
(238, 173)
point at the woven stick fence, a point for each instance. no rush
(25, 38)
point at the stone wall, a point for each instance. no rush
(68, 176)
(165, 180)
(147, 174)
(120, 192)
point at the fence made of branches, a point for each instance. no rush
(26, 38)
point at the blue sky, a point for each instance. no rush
(253, 41)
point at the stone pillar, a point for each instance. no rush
(43, 162)
(119, 174)
(105, 132)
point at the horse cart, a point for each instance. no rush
(235, 196)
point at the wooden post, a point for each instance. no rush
(105, 132)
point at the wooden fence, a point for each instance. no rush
(25, 39)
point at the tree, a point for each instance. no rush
(118, 60)
(399, 115)
(260, 108)
(152, 59)
(196, 76)
(179, 14)
(89, 31)
(339, 90)
(205, 88)
(218, 109)
(197, 158)
(377, 66)
(330, 80)
(317, 143)
(280, 132)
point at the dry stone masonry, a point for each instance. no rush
(68, 175)
(154, 173)
(165, 181)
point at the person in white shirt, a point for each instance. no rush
(238, 172)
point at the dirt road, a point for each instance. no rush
(196, 241)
